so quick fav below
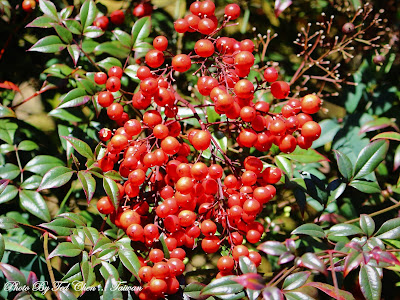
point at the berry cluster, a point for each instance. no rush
(196, 203)
(117, 18)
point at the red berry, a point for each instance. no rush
(310, 104)
(244, 60)
(113, 84)
(160, 43)
(28, 5)
(105, 205)
(117, 17)
(280, 89)
(206, 26)
(311, 130)
(101, 22)
(232, 11)
(181, 25)
(204, 48)
(105, 99)
(154, 58)
(100, 78)
(181, 62)
(270, 74)
(115, 71)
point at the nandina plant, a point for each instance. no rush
(200, 157)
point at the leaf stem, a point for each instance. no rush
(46, 255)
(375, 213)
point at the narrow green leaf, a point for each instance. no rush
(246, 265)
(34, 203)
(88, 13)
(141, 29)
(74, 26)
(12, 246)
(74, 52)
(352, 261)
(113, 48)
(110, 292)
(370, 157)
(41, 22)
(111, 189)
(305, 156)
(366, 186)
(108, 270)
(60, 226)
(296, 280)
(93, 32)
(80, 146)
(222, 286)
(389, 230)
(370, 283)
(87, 271)
(65, 115)
(27, 146)
(9, 171)
(6, 112)
(73, 98)
(130, 260)
(49, 9)
(310, 229)
(48, 44)
(7, 131)
(344, 230)
(109, 62)
(164, 245)
(66, 12)
(344, 164)
(88, 184)
(367, 224)
(65, 249)
(8, 194)
(377, 124)
(7, 223)
(395, 136)
(124, 38)
(12, 273)
(284, 164)
(274, 248)
(64, 33)
(74, 273)
(42, 163)
(2, 246)
(56, 177)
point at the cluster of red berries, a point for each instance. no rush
(117, 18)
(195, 203)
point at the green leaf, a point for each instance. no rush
(389, 230)
(141, 30)
(344, 164)
(284, 164)
(377, 124)
(74, 26)
(63, 114)
(272, 248)
(65, 295)
(109, 62)
(329, 129)
(41, 22)
(7, 131)
(61, 226)
(32, 183)
(73, 98)
(16, 247)
(92, 234)
(65, 249)
(113, 48)
(88, 13)
(13, 274)
(108, 270)
(370, 283)
(367, 224)
(56, 177)
(193, 290)
(352, 261)
(6, 112)
(164, 245)
(130, 260)
(311, 261)
(3, 184)
(305, 156)
(110, 292)
(222, 286)
(63, 33)
(7, 223)
(66, 12)
(310, 229)
(34, 203)
(88, 184)
(9, 171)
(366, 186)
(114, 175)
(296, 280)
(49, 9)
(80, 146)
(344, 230)
(111, 189)
(395, 136)
(88, 273)
(354, 93)
(8, 194)
(331, 291)
(42, 163)
(74, 273)
(370, 157)
(124, 38)
(246, 265)
(74, 52)
(93, 32)
(6, 148)
(2, 246)
(27, 146)
(48, 44)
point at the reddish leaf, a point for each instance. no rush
(281, 5)
(9, 85)
(378, 124)
(331, 291)
(352, 261)
(250, 281)
(311, 261)
(383, 256)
